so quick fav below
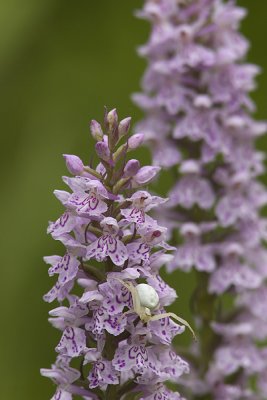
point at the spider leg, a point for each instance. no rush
(137, 308)
(123, 283)
(174, 316)
(184, 322)
(125, 313)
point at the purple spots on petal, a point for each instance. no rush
(58, 394)
(63, 219)
(73, 342)
(137, 215)
(111, 244)
(143, 249)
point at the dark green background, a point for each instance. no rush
(60, 62)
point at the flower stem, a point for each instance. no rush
(111, 393)
(205, 307)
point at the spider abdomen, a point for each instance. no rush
(147, 295)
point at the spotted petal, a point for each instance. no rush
(108, 245)
(66, 267)
(62, 225)
(130, 356)
(102, 373)
(72, 342)
(87, 204)
(139, 251)
(59, 291)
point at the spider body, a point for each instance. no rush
(145, 299)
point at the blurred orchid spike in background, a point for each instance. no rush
(198, 124)
(111, 295)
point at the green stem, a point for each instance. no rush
(205, 307)
(81, 368)
(128, 387)
(111, 393)
(120, 184)
(84, 384)
(94, 272)
(93, 172)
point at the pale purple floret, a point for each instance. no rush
(192, 189)
(109, 244)
(64, 224)
(88, 197)
(59, 292)
(141, 202)
(66, 267)
(64, 376)
(192, 253)
(151, 235)
(75, 315)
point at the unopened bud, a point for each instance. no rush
(96, 130)
(103, 150)
(131, 168)
(135, 141)
(74, 164)
(145, 175)
(112, 119)
(124, 126)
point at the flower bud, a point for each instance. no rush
(124, 126)
(103, 150)
(96, 130)
(146, 174)
(135, 141)
(131, 168)
(112, 119)
(74, 164)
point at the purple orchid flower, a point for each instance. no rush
(198, 125)
(111, 313)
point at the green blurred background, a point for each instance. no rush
(60, 62)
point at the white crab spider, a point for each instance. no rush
(146, 299)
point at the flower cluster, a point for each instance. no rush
(111, 295)
(198, 122)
